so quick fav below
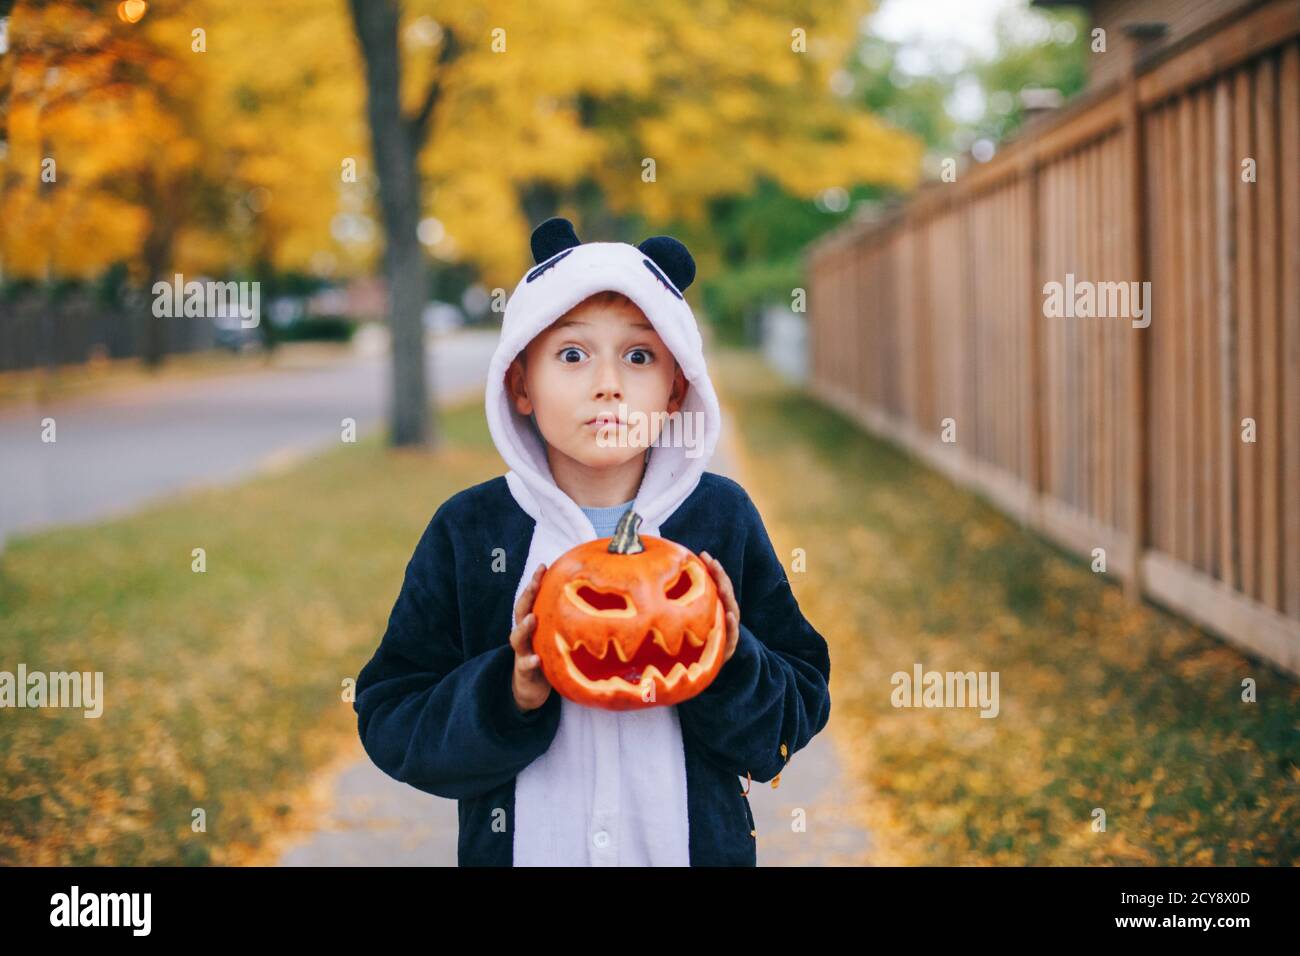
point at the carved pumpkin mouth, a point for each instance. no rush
(612, 668)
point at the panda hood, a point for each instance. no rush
(611, 788)
(653, 275)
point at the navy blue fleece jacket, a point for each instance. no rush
(434, 704)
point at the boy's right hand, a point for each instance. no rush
(528, 683)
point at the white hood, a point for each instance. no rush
(673, 470)
(611, 789)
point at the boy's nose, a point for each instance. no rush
(608, 384)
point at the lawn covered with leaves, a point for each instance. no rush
(223, 689)
(1104, 704)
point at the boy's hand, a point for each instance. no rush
(528, 683)
(728, 595)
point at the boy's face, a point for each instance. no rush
(594, 360)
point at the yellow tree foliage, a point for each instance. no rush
(89, 139)
(286, 103)
(715, 94)
(203, 136)
(239, 153)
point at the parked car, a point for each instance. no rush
(229, 332)
(442, 317)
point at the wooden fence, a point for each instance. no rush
(1108, 432)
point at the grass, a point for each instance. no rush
(223, 690)
(1104, 704)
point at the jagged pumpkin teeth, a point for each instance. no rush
(648, 598)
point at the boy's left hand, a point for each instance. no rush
(728, 595)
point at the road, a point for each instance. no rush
(118, 449)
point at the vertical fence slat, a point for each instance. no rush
(1288, 163)
(1267, 173)
(1207, 467)
(1188, 425)
(1138, 376)
(1069, 395)
(1150, 380)
(1033, 409)
(1246, 323)
(1087, 228)
(1226, 253)
(1174, 324)
(1101, 402)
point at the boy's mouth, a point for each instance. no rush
(605, 418)
(652, 659)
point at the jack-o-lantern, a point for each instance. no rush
(629, 622)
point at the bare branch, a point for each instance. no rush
(422, 121)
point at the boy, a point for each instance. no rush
(597, 343)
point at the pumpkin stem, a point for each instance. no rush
(625, 540)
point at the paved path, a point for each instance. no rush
(374, 820)
(807, 818)
(117, 449)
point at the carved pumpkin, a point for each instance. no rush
(629, 622)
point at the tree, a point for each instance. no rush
(396, 140)
(203, 136)
(100, 158)
(480, 120)
(653, 111)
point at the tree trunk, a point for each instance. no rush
(157, 254)
(395, 150)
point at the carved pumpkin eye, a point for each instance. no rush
(688, 586)
(602, 600)
(591, 600)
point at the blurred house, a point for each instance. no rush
(784, 342)
(363, 299)
(1179, 18)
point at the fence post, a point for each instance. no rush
(1139, 471)
(1034, 437)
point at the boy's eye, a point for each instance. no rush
(646, 356)
(571, 354)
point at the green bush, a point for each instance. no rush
(735, 299)
(319, 328)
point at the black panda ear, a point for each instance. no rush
(673, 258)
(554, 235)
